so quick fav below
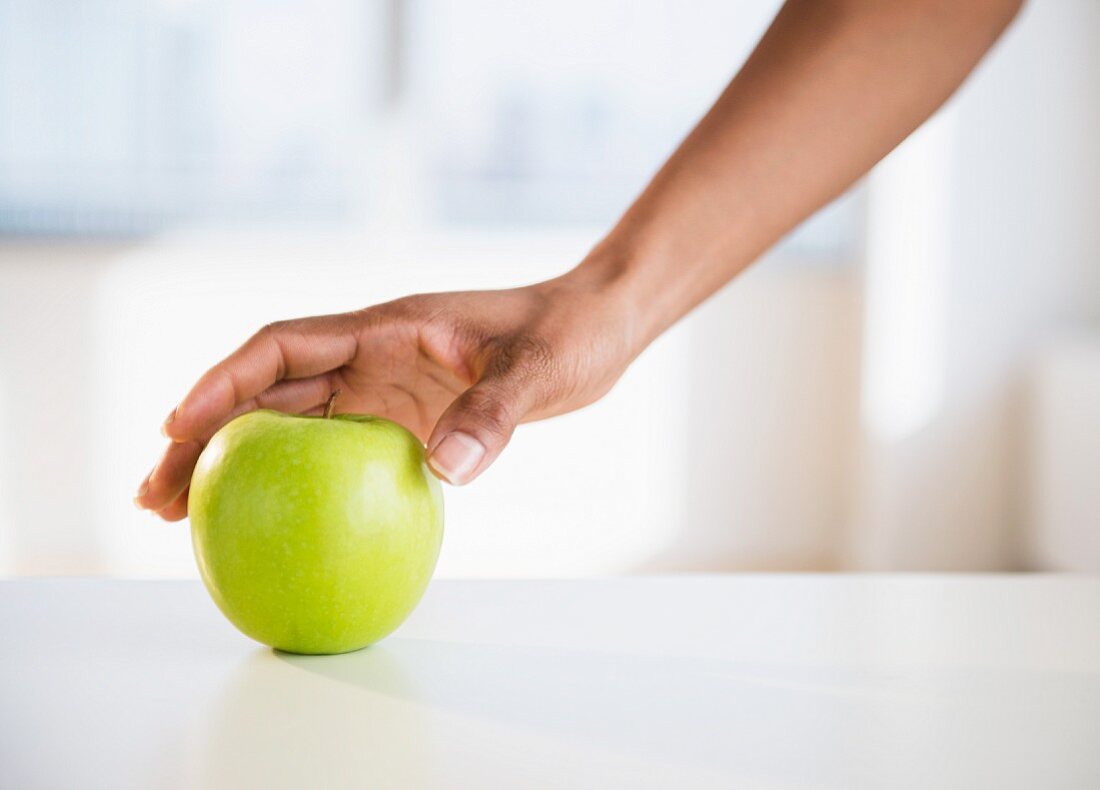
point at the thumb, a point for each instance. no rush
(474, 429)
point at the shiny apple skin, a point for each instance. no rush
(315, 535)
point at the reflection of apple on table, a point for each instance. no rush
(315, 534)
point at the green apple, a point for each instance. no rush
(315, 534)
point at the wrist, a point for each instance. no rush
(631, 286)
(601, 285)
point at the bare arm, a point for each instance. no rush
(832, 87)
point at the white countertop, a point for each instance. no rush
(687, 682)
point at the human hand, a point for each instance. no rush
(809, 113)
(460, 370)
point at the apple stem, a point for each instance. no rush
(331, 404)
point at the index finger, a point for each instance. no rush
(283, 350)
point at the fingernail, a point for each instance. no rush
(456, 457)
(143, 489)
(168, 421)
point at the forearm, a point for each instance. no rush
(832, 87)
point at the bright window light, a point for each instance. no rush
(908, 260)
(122, 117)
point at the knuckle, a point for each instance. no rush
(527, 356)
(531, 364)
(489, 411)
(406, 308)
(272, 329)
(224, 373)
(401, 315)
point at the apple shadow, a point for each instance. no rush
(807, 725)
(272, 726)
(728, 719)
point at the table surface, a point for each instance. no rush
(681, 682)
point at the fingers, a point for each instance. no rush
(474, 429)
(286, 350)
(177, 511)
(160, 491)
(169, 477)
(472, 432)
(295, 396)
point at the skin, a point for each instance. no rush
(832, 87)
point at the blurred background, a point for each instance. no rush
(910, 381)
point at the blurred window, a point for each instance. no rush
(130, 115)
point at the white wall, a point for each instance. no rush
(48, 372)
(1064, 456)
(770, 401)
(1019, 262)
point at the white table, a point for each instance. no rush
(688, 682)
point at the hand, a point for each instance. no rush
(811, 111)
(460, 370)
